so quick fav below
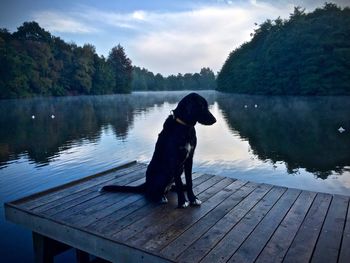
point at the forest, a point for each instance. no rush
(35, 63)
(144, 80)
(307, 54)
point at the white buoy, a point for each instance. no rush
(52, 116)
(256, 105)
(341, 129)
(33, 117)
(245, 106)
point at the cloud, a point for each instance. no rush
(172, 42)
(169, 42)
(132, 20)
(186, 41)
(58, 22)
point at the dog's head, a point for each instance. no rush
(193, 108)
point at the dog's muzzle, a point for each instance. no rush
(207, 119)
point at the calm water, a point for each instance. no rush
(292, 141)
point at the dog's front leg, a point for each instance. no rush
(181, 199)
(188, 175)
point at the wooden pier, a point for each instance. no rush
(238, 221)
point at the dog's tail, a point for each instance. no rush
(126, 189)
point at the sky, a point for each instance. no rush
(163, 36)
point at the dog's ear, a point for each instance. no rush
(185, 110)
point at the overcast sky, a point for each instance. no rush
(165, 36)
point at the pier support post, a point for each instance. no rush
(45, 249)
(42, 251)
(82, 256)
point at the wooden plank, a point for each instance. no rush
(199, 178)
(30, 198)
(96, 212)
(69, 215)
(345, 251)
(102, 222)
(29, 185)
(223, 189)
(51, 194)
(112, 226)
(93, 196)
(92, 205)
(278, 245)
(205, 191)
(240, 189)
(256, 241)
(85, 218)
(79, 238)
(221, 251)
(68, 200)
(112, 215)
(206, 186)
(304, 242)
(329, 242)
(218, 228)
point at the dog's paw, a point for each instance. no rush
(184, 205)
(196, 202)
(164, 200)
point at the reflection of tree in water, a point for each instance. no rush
(76, 119)
(300, 131)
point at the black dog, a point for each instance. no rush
(174, 153)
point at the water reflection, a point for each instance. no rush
(76, 119)
(300, 131)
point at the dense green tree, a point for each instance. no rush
(103, 78)
(83, 71)
(138, 79)
(33, 62)
(13, 72)
(207, 79)
(158, 82)
(308, 54)
(122, 69)
(32, 31)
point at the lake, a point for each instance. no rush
(287, 141)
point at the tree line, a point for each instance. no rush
(144, 80)
(35, 63)
(307, 54)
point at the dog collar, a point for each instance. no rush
(181, 122)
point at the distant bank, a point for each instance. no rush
(308, 54)
(35, 63)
